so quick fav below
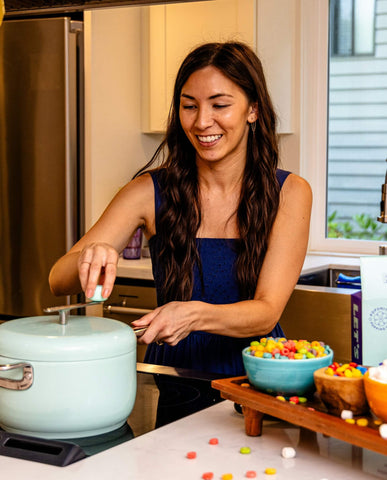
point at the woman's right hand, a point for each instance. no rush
(97, 265)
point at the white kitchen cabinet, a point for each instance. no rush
(169, 32)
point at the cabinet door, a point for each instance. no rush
(171, 31)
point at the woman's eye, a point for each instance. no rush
(221, 105)
(188, 107)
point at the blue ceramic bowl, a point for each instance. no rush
(284, 377)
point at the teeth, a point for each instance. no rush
(209, 138)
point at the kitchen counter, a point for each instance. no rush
(161, 454)
(142, 268)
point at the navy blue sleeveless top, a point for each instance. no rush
(204, 351)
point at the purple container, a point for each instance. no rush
(133, 249)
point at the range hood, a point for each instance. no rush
(21, 8)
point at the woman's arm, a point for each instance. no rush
(93, 259)
(280, 271)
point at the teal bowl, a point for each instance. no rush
(284, 377)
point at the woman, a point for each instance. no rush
(227, 230)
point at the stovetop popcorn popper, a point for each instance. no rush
(67, 385)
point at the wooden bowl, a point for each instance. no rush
(341, 393)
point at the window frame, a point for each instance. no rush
(314, 60)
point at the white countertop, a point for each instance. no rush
(161, 454)
(142, 268)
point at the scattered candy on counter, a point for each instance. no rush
(270, 471)
(348, 370)
(345, 414)
(213, 441)
(191, 455)
(251, 474)
(283, 349)
(245, 450)
(288, 452)
(227, 476)
(383, 430)
(207, 476)
(245, 385)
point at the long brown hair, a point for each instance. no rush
(179, 216)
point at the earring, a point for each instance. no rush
(252, 126)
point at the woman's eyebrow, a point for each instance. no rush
(212, 97)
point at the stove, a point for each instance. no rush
(60, 452)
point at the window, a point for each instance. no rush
(352, 26)
(344, 121)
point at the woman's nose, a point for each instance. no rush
(204, 118)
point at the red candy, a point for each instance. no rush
(251, 474)
(213, 441)
(207, 476)
(191, 455)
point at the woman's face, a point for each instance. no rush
(214, 114)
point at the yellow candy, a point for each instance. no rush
(350, 420)
(330, 371)
(270, 471)
(258, 354)
(348, 374)
(362, 422)
(227, 476)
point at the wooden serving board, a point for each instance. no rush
(310, 415)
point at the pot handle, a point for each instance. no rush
(24, 383)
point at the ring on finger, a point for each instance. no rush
(159, 342)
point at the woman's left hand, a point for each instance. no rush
(169, 323)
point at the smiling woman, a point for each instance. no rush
(215, 114)
(227, 229)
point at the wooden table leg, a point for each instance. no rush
(253, 421)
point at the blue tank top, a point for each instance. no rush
(204, 351)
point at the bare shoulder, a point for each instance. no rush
(296, 188)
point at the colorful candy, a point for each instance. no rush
(191, 455)
(288, 452)
(348, 370)
(245, 450)
(251, 474)
(283, 349)
(270, 471)
(207, 476)
(213, 441)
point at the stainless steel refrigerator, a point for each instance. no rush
(41, 157)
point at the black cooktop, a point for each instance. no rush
(60, 452)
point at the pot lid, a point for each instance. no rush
(82, 338)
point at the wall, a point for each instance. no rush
(114, 146)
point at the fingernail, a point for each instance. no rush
(89, 293)
(105, 293)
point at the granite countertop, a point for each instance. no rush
(142, 268)
(161, 454)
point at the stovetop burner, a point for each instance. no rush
(60, 452)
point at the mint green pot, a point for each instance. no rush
(74, 380)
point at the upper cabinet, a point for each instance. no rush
(169, 32)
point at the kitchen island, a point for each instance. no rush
(162, 454)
